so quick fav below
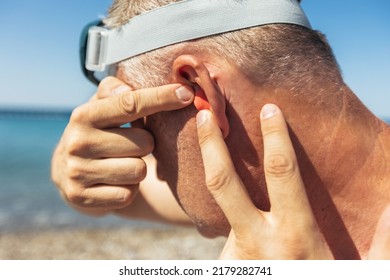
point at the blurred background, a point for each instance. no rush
(41, 82)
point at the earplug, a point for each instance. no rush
(200, 100)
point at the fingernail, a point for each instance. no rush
(202, 117)
(268, 111)
(184, 94)
(120, 89)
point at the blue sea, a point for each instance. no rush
(28, 198)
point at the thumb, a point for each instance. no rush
(380, 248)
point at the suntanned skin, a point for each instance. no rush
(342, 151)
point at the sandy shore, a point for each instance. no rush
(103, 244)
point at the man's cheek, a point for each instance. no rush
(180, 164)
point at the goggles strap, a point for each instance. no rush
(183, 21)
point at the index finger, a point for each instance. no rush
(129, 106)
(221, 178)
(286, 190)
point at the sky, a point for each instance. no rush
(39, 45)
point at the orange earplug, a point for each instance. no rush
(200, 100)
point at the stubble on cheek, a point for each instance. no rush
(180, 164)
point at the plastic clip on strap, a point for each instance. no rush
(184, 21)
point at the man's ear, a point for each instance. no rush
(188, 69)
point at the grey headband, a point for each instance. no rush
(183, 21)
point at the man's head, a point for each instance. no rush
(238, 72)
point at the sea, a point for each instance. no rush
(28, 198)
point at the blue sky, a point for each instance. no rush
(39, 49)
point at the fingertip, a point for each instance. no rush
(126, 196)
(272, 121)
(185, 93)
(205, 115)
(207, 126)
(268, 111)
(202, 117)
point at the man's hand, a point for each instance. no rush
(289, 230)
(98, 164)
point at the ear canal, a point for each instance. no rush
(185, 75)
(200, 101)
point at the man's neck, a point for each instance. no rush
(342, 150)
(344, 164)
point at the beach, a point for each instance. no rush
(110, 244)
